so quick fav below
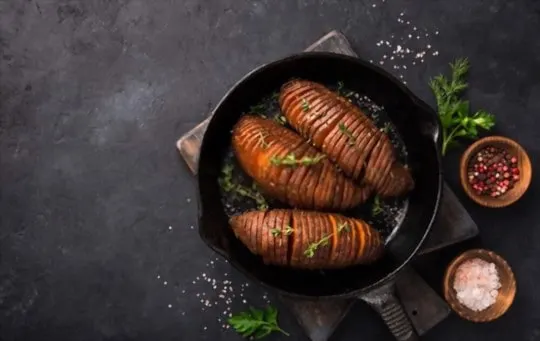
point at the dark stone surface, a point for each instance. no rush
(93, 95)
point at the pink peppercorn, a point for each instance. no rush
(493, 171)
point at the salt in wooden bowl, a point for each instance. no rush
(506, 294)
(523, 164)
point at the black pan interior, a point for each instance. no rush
(414, 127)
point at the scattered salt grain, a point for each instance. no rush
(476, 284)
(170, 306)
(165, 283)
(170, 228)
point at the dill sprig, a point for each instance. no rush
(291, 160)
(229, 186)
(454, 112)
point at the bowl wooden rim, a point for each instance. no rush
(506, 293)
(524, 165)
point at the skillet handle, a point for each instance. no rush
(384, 301)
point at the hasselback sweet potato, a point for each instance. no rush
(344, 133)
(287, 168)
(307, 239)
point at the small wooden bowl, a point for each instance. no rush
(524, 165)
(506, 294)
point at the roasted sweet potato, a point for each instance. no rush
(344, 133)
(307, 239)
(287, 168)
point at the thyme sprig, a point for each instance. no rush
(287, 231)
(376, 209)
(313, 247)
(291, 160)
(229, 186)
(280, 119)
(305, 105)
(324, 241)
(351, 139)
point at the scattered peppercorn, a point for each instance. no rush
(493, 171)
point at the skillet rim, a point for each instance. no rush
(422, 105)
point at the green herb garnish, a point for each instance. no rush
(313, 247)
(256, 323)
(286, 231)
(348, 133)
(453, 111)
(305, 105)
(324, 241)
(291, 160)
(344, 227)
(386, 128)
(258, 109)
(275, 232)
(228, 185)
(340, 88)
(376, 209)
(280, 119)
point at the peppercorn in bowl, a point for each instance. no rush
(495, 171)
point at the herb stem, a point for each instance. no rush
(448, 139)
(282, 331)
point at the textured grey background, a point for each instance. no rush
(94, 94)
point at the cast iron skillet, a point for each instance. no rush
(419, 128)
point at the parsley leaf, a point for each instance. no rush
(453, 111)
(256, 323)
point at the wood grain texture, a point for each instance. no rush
(524, 165)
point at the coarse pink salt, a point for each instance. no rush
(476, 284)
